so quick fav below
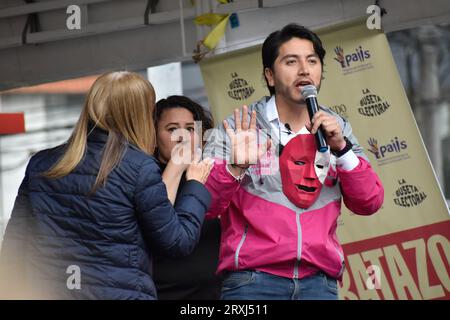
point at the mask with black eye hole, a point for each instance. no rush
(303, 170)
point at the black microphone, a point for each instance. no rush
(288, 127)
(309, 92)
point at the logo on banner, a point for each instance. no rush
(355, 61)
(389, 152)
(408, 195)
(341, 110)
(239, 89)
(372, 105)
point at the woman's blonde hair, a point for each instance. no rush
(121, 103)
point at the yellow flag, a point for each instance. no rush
(213, 38)
(209, 19)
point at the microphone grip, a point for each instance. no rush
(313, 107)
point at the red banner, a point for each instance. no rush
(411, 264)
(12, 123)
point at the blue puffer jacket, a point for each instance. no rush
(63, 243)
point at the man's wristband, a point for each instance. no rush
(347, 148)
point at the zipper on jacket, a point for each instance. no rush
(342, 261)
(236, 256)
(299, 244)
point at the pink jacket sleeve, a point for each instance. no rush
(362, 190)
(222, 186)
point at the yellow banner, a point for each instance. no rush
(232, 80)
(403, 251)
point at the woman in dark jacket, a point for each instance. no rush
(177, 121)
(90, 213)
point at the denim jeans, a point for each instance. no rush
(258, 285)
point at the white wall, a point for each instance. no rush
(166, 79)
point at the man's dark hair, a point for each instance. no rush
(198, 112)
(272, 44)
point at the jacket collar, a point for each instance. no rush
(97, 135)
(271, 110)
(262, 117)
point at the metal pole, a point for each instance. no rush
(429, 95)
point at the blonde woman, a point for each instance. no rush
(90, 213)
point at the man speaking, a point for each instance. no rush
(279, 228)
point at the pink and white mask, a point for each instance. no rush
(303, 170)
